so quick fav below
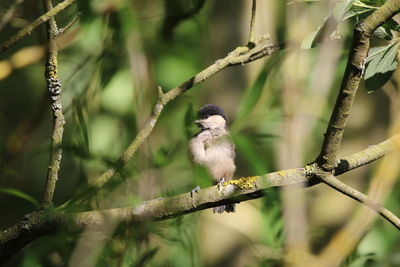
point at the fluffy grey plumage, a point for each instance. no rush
(213, 148)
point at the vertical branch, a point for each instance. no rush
(251, 42)
(327, 159)
(54, 88)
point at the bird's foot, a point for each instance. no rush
(221, 183)
(194, 191)
(219, 209)
(225, 208)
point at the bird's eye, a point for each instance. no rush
(206, 116)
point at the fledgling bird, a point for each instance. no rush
(213, 148)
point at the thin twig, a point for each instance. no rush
(28, 29)
(9, 14)
(62, 30)
(333, 182)
(250, 43)
(54, 88)
(327, 159)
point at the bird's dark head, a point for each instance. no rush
(210, 110)
(211, 116)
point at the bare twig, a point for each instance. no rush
(38, 224)
(54, 88)
(360, 197)
(9, 14)
(327, 158)
(28, 29)
(62, 30)
(251, 43)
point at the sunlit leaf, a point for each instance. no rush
(328, 28)
(342, 9)
(307, 42)
(383, 33)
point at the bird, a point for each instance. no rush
(213, 148)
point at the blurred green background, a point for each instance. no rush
(111, 62)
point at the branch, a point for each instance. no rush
(28, 29)
(368, 155)
(236, 57)
(382, 182)
(62, 30)
(333, 182)
(9, 14)
(39, 224)
(251, 43)
(54, 88)
(353, 73)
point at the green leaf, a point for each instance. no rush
(82, 125)
(308, 41)
(328, 28)
(383, 33)
(381, 64)
(377, 81)
(246, 148)
(20, 194)
(190, 126)
(342, 9)
(146, 257)
(160, 158)
(251, 97)
(375, 3)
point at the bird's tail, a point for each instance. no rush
(227, 208)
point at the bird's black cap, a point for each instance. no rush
(210, 110)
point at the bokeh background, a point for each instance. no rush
(111, 62)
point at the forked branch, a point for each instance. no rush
(327, 158)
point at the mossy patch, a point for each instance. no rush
(244, 182)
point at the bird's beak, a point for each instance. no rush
(199, 123)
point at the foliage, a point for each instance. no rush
(111, 63)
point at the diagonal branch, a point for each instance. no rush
(327, 158)
(333, 182)
(39, 224)
(54, 88)
(28, 29)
